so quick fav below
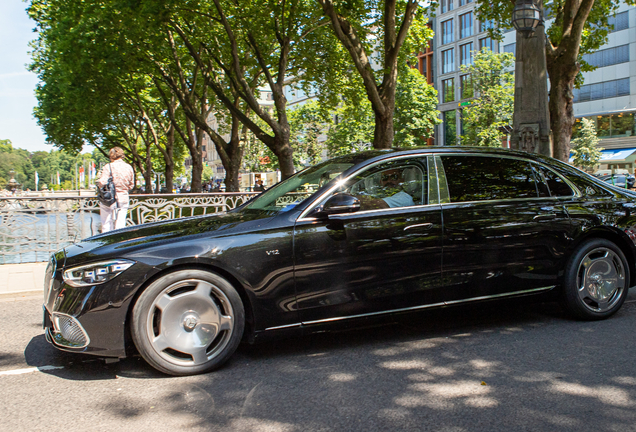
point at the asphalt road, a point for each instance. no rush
(503, 367)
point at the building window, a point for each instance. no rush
(603, 90)
(608, 57)
(466, 25)
(448, 86)
(620, 21)
(447, 6)
(447, 31)
(609, 126)
(448, 60)
(487, 43)
(464, 2)
(511, 48)
(466, 83)
(466, 54)
(485, 25)
(450, 127)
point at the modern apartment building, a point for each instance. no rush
(608, 95)
(458, 35)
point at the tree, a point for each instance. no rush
(95, 87)
(578, 27)
(243, 48)
(379, 32)
(17, 160)
(584, 148)
(416, 111)
(492, 109)
(307, 123)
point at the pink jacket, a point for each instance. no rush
(123, 176)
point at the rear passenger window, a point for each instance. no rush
(556, 185)
(480, 178)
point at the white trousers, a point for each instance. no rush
(114, 217)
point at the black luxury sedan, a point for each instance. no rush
(357, 236)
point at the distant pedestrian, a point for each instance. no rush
(114, 216)
(258, 187)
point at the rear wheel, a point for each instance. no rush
(188, 322)
(596, 280)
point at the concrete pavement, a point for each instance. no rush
(20, 281)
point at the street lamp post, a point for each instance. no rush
(531, 117)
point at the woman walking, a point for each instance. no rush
(114, 216)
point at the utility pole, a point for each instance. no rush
(531, 117)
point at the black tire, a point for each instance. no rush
(188, 322)
(596, 280)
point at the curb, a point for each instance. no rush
(21, 295)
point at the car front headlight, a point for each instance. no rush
(95, 274)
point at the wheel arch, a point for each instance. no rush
(248, 333)
(619, 238)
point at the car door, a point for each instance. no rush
(376, 259)
(503, 232)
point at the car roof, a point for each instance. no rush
(375, 155)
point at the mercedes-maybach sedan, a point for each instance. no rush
(357, 236)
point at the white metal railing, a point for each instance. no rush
(31, 228)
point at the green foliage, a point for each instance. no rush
(416, 111)
(207, 174)
(306, 125)
(493, 108)
(47, 165)
(380, 37)
(585, 151)
(17, 160)
(352, 128)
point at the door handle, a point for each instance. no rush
(546, 216)
(424, 226)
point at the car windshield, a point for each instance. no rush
(290, 192)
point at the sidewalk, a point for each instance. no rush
(20, 281)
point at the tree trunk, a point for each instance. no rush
(283, 150)
(383, 133)
(169, 160)
(561, 109)
(197, 161)
(148, 169)
(286, 161)
(232, 166)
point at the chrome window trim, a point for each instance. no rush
(414, 308)
(501, 200)
(576, 192)
(324, 195)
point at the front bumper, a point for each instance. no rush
(90, 319)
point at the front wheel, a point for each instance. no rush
(188, 322)
(596, 280)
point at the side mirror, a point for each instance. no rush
(341, 203)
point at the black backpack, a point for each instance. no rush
(107, 194)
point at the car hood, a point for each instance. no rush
(128, 240)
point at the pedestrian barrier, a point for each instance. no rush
(31, 228)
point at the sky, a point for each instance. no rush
(17, 84)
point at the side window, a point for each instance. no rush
(481, 178)
(392, 184)
(555, 183)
